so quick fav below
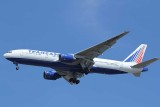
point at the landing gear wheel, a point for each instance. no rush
(74, 80)
(86, 71)
(17, 68)
(78, 81)
(71, 80)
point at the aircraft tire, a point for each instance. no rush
(78, 81)
(17, 68)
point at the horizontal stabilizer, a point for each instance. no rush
(137, 74)
(146, 63)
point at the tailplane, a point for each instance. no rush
(143, 65)
(137, 55)
(146, 63)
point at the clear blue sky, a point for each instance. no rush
(68, 26)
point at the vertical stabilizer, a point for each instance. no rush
(137, 55)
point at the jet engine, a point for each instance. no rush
(51, 75)
(67, 58)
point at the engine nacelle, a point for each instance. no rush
(51, 75)
(145, 70)
(67, 58)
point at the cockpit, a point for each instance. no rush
(9, 52)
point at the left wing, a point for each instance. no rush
(86, 57)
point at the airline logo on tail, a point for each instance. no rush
(137, 55)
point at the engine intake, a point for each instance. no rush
(51, 75)
(67, 58)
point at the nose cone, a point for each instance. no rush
(8, 56)
(5, 55)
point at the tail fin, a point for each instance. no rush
(137, 55)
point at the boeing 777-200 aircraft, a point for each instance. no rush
(74, 66)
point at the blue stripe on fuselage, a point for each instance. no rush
(106, 71)
(64, 67)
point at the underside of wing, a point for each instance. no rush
(71, 77)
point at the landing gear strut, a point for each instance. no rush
(17, 67)
(74, 80)
(86, 70)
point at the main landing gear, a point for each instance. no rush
(86, 71)
(74, 80)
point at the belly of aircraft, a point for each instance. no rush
(65, 67)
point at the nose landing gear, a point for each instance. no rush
(17, 67)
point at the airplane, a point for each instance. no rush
(71, 67)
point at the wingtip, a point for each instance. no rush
(123, 34)
(126, 32)
(157, 58)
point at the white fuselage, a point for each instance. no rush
(51, 59)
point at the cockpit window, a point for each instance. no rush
(9, 52)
